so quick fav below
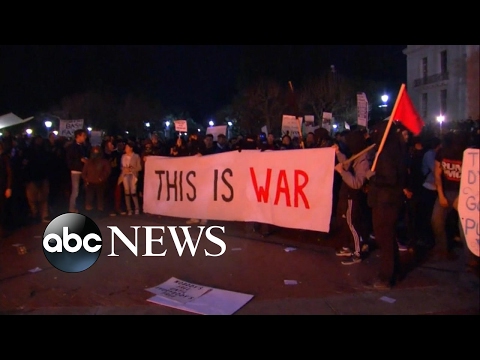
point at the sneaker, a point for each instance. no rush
(203, 222)
(113, 214)
(130, 213)
(123, 213)
(402, 247)
(192, 221)
(354, 259)
(344, 251)
(137, 212)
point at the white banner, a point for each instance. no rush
(217, 130)
(68, 127)
(181, 125)
(283, 188)
(290, 126)
(362, 109)
(469, 199)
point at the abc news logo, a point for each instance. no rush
(73, 242)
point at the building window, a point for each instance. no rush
(443, 101)
(424, 67)
(424, 105)
(443, 62)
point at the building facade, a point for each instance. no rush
(444, 80)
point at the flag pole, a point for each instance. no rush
(389, 125)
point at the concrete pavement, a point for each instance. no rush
(251, 264)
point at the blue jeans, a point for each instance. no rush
(75, 189)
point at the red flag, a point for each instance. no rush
(407, 114)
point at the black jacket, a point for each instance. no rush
(75, 152)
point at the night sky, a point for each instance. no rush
(199, 78)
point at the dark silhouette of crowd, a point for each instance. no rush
(407, 202)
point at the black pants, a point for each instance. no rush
(424, 216)
(384, 218)
(350, 224)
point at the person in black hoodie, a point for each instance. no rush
(351, 229)
(387, 189)
(37, 168)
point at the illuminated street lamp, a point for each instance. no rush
(55, 132)
(48, 124)
(441, 119)
(29, 131)
(230, 123)
(211, 123)
(147, 124)
(89, 129)
(384, 99)
(167, 123)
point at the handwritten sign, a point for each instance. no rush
(181, 125)
(179, 290)
(362, 109)
(68, 127)
(469, 199)
(217, 130)
(290, 126)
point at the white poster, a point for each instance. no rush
(216, 130)
(283, 188)
(362, 109)
(327, 121)
(96, 138)
(181, 125)
(213, 302)
(68, 127)
(179, 290)
(469, 199)
(309, 120)
(290, 126)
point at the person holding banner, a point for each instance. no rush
(350, 224)
(448, 171)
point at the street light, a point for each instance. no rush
(29, 131)
(147, 124)
(211, 123)
(48, 124)
(89, 129)
(440, 119)
(230, 123)
(167, 123)
(55, 132)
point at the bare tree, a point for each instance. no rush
(262, 103)
(328, 92)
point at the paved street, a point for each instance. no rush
(251, 265)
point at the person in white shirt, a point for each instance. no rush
(131, 165)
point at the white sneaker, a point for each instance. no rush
(192, 221)
(130, 212)
(137, 212)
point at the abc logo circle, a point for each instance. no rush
(72, 242)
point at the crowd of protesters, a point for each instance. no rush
(407, 202)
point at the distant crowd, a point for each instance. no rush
(407, 202)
